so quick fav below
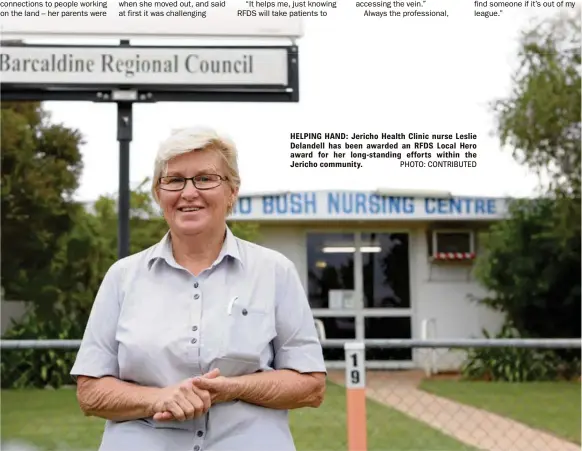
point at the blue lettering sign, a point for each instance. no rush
(268, 205)
(311, 203)
(290, 204)
(346, 203)
(491, 206)
(402, 205)
(480, 207)
(375, 204)
(363, 204)
(244, 206)
(460, 206)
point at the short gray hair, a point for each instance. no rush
(190, 139)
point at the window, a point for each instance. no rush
(330, 263)
(386, 270)
(338, 328)
(386, 284)
(382, 328)
(451, 241)
(330, 266)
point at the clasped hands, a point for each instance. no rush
(191, 398)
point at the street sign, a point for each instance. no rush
(146, 19)
(144, 66)
(161, 72)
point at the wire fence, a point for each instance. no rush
(473, 394)
(460, 396)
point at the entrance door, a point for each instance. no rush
(359, 287)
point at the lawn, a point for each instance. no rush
(550, 406)
(51, 420)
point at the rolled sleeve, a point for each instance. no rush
(97, 356)
(296, 345)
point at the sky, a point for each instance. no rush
(357, 74)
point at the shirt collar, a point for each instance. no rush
(163, 250)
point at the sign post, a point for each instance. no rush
(356, 396)
(128, 74)
(124, 135)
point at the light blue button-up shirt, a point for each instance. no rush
(155, 324)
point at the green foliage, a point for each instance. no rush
(532, 273)
(38, 368)
(248, 231)
(146, 224)
(79, 266)
(76, 271)
(540, 120)
(532, 261)
(41, 164)
(20, 368)
(509, 364)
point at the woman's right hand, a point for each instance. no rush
(183, 401)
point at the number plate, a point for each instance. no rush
(355, 365)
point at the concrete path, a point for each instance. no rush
(476, 427)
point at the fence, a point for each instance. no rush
(447, 412)
(420, 409)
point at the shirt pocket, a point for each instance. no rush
(246, 333)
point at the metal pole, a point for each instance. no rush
(359, 287)
(124, 135)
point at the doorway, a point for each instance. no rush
(359, 287)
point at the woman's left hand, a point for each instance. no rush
(219, 388)
(211, 375)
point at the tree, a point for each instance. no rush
(533, 274)
(532, 260)
(41, 165)
(540, 120)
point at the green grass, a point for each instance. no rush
(550, 406)
(51, 419)
(325, 428)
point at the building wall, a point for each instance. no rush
(11, 310)
(440, 292)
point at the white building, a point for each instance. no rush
(383, 265)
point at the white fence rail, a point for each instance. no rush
(541, 343)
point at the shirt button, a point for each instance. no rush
(197, 448)
(200, 433)
(194, 328)
(196, 285)
(196, 296)
(193, 340)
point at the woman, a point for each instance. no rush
(204, 341)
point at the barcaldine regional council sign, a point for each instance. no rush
(39, 65)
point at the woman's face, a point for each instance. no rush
(210, 205)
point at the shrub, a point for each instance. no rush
(39, 368)
(514, 364)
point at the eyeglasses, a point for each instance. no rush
(201, 182)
